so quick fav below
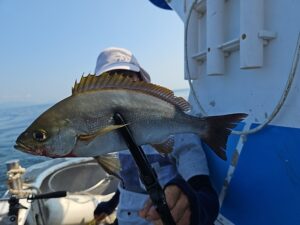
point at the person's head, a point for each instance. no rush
(119, 60)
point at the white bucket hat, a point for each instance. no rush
(119, 59)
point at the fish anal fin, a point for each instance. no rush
(165, 147)
(90, 137)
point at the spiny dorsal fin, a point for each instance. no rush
(118, 81)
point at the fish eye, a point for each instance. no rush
(40, 135)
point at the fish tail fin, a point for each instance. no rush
(218, 128)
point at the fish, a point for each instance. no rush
(82, 125)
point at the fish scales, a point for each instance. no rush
(140, 110)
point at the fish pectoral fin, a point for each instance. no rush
(165, 147)
(90, 137)
(110, 163)
(86, 137)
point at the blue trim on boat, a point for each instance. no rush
(161, 4)
(266, 183)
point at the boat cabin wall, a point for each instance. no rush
(247, 66)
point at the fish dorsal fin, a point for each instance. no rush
(119, 81)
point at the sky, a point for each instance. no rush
(46, 45)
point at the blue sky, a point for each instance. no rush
(46, 45)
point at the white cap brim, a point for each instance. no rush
(118, 66)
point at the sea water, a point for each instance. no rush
(13, 121)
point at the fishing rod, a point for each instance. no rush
(147, 174)
(14, 204)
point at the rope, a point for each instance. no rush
(18, 170)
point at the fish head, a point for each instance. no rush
(49, 135)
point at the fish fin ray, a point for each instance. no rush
(218, 129)
(165, 147)
(110, 163)
(119, 81)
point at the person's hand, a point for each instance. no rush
(178, 204)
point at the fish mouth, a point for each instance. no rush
(24, 148)
(39, 151)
